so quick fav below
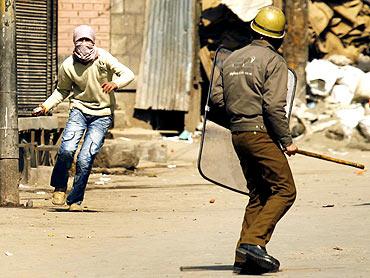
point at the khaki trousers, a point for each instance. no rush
(270, 183)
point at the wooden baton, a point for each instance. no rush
(328, 158)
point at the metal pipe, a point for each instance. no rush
(9, 153)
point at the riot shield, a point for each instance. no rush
(217, 160)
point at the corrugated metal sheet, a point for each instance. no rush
(36, 48)
(166, 69)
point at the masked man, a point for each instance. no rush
(90, 75)
(252, 86)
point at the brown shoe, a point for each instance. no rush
(75, 208)
(59, 198)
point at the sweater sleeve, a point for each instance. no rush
(63, 89)
(217, 95)
(274, 100)
(123, 75)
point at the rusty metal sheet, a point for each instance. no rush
(166, 70)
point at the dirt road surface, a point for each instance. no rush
(169, 222)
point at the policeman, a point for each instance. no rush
(252, 86)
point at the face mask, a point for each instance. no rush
(85, 51)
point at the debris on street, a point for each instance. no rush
(7, 253)
(29, 204)
(338, 102)
(340, 27)
(103, 180)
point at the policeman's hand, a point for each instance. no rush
(39, 111)
(108, 87)
(291, 149)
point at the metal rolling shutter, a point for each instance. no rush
(36, 50)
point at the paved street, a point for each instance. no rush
(152, 224)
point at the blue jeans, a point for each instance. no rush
(78, 122)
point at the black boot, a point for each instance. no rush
(257, 259)
(247, 268)
(238, 267)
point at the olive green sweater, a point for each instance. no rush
(83, 84)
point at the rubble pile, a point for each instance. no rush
(340, 27)
(338, 100)
(338, 76)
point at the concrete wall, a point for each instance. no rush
(72, 13)
(127, 28)
(127, 34)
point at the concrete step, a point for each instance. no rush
(135, 133)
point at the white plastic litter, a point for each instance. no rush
(350, 117)
(363, 87)
(350, 76)
(317, 127)
(367, 108)
(334, 152)
(300, 111)
(341, 94)
(364, 126)
(185, 135)
(321, 76)
(124, 139)
(7, 253)
(105, 179)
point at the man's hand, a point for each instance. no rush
(39, 111)
(108, 87)
(291, 149)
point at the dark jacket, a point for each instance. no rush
(252, 86)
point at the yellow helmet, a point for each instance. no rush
(270, 22)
